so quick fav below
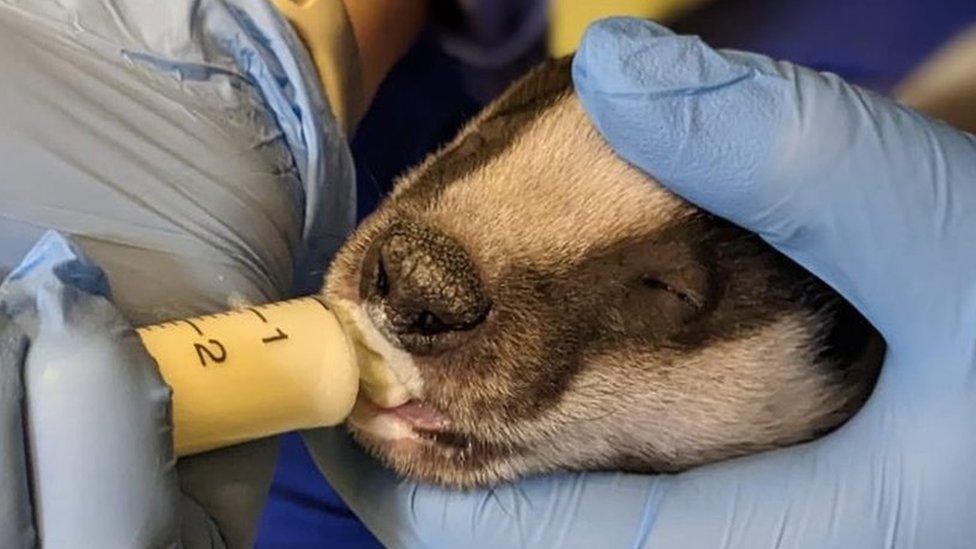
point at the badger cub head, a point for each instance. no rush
(544, 306)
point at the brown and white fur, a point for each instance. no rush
(544, 306)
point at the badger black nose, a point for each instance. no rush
(425, 282)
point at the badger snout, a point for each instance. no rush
(422, 287)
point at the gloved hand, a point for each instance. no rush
(84, 417)
(185, 147)
(875, 199)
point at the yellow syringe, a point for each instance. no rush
(254, 372)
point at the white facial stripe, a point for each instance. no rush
(522, 193)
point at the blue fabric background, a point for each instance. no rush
(870, 42)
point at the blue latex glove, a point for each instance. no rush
(187, 148)
(878, 201)
(87, 456)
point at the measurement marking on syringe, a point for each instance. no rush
(210, 342)
(279, 336)
(203, 353)
(195, 327)
(324, 306)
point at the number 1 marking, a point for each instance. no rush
(277, 337)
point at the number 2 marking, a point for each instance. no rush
(205, 353)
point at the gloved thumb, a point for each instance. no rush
(677, 109)
(842, 180)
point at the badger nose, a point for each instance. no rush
(424, 280)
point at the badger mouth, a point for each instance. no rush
(387, 411)
(420, 444)
(396, 424)
(414, 421)
(425, 447)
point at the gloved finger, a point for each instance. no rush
(100, 442)
(893, 476)
(16, 519)
(864, 485)
(846, 182)
(192, 155)
(566, 510)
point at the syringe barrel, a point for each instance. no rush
(254, 372)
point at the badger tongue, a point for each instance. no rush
(421, 416)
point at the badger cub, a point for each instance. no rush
(544, 306)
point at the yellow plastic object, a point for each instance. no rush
(253, 373)
(324, 27)
(568, 19)
(376, 378)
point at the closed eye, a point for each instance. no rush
(653, 283)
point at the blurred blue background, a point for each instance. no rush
(451, 73)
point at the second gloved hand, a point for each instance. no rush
(86, 451)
